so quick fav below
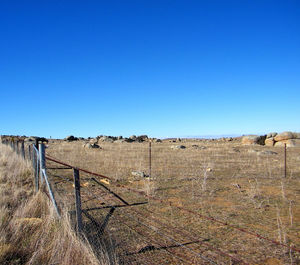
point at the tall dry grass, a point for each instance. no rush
(30, 232)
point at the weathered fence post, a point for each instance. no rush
(13, 144)
(150, 160)
(17, 147)
(22, 149)
(29, 152)
(285, 160)
(77, 200)
(35, 165)
(42, 160)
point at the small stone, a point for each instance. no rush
(138, 174)
(178, 147)
(268, 152)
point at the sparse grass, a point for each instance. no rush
(242, 187)
(30, 232)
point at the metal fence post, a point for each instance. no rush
(77, 200)
(42, 160)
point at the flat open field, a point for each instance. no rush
(213, 202)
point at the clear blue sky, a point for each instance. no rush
(162, 68)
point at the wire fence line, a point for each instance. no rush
(139, 224)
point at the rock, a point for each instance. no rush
(138, 174)
(107, 139)
(267, 152)
(284, 136)
(271, 135)
(71, 138)
(296, 135)
(195, 146)
(91, 145)
(129, 140)
(234, 149)
(94, 145)
(178, 147)
(253, 151)
(120, 141)
(132, 137)
(269, 141)
(289, 143)
(93, 140)
(253, 139)
(141, 138)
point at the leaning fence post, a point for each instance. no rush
(42, 160)
(77, 200)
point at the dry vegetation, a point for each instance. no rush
(236, 184)
(30, 232)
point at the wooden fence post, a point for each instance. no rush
(35, 166)
(17, 147)
(29, 152)
(42, 160)
(77, 200)
(22, 149)
(285, 160)
(150, 162)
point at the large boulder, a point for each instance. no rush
(71, 138)
(253, 139)
(289, 143)
(141, 138)
(108, 139)
(271, 135)
(284, 136)
(269, 141)
(132, 137)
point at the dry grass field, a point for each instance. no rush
(191, 188)
(30, 232)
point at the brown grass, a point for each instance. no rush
(30, 232)
(226, 180)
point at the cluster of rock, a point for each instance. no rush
(291, 139)
(115, 139)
